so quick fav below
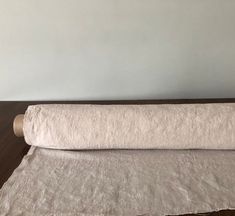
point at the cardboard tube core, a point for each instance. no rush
(18, 125)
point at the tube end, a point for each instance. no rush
(18, 125)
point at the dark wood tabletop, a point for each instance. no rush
(13, 149)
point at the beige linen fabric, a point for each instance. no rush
(187, 126)
(120, 182)
(124, 182)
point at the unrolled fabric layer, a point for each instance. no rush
(120, 182)
(185, 126)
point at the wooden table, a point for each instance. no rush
(12, 149)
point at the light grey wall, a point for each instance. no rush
(116, 49)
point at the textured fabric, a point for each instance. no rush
(120, 182)
(191, 126)
(124, 182)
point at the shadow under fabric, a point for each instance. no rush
(126, 160)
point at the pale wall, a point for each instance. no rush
(116, 49)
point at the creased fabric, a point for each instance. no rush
(120, 182)
(59, 177)
(184, 126)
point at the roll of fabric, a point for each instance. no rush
(184, 126)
